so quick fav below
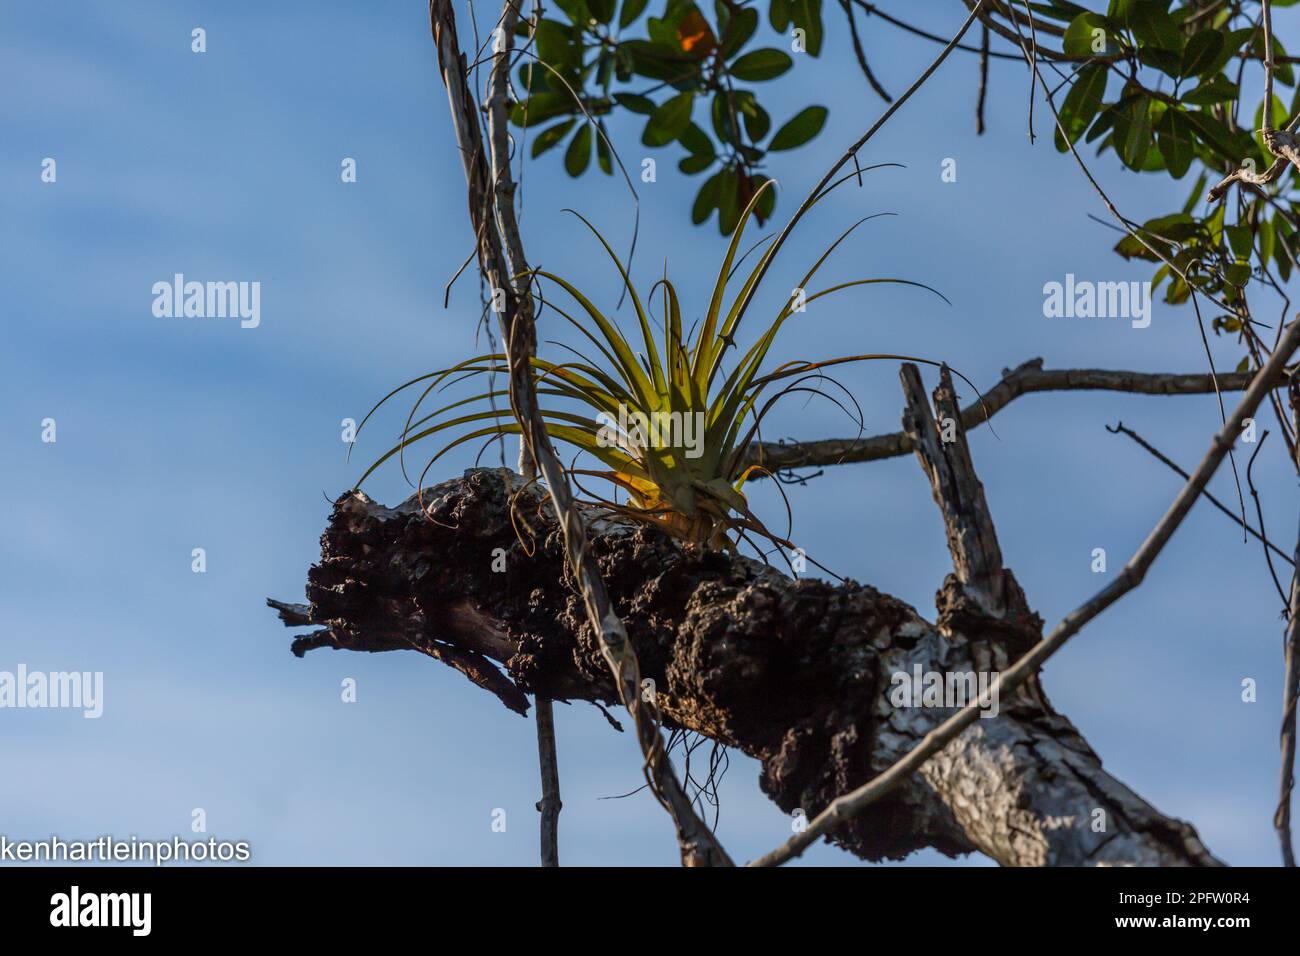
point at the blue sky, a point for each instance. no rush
(175, 434)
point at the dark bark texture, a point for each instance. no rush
(796, 673)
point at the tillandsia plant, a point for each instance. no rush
(670, 426)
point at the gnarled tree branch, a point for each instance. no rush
(795, 673)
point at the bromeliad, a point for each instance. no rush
(690, 485)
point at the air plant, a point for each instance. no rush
(694, 493)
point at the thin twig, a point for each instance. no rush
(984, 82)
(861, 54)
(1121, 429)
(1290, 689)
(872, 10)
(1259, 516)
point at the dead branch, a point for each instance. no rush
(1029, 377)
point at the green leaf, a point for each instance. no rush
(602, 10)
(807, 16)
(1082, 39)
(1238, 273)
(1153, 26)
(635, 103)
(1283, 260)
(555, 45)
(669, 120)
(1104, 122)
(1241, 239)
(728, 201)
(1177, 141)
(757, 122)
(739, 29)
(1133, 130)
(631, 10)
(1232, 44)
(1131, 248)
(1177, 227)
(766, 202)
(1198, 190)
(695, 163)
(578, 155)
(720, 114)
(541, 107)
(1081, 104)
(1217, 89)
(659, 61)
(778, 14)
(1201, 53)
(1267, 243)
(805, 125)
(697, 142)
(604, 155)
(1057, 10)
(1158, 59)
(1216, 136)
(765, 64)
(575, 10)
(551, 137)
(706, 200)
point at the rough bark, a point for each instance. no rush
(793, 673)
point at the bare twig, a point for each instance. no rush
(550, 804)
(861, 54)
(850, 804)
(872, 10)
(1267, 22)
(1259, 515)
(984, 82)
(1290, 690)
(1121, 429)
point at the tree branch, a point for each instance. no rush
(794, 673)
(1029, 377)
